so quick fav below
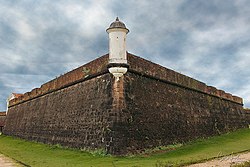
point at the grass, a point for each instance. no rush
(37, 154)
(245, 164)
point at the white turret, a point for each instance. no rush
(117, 48)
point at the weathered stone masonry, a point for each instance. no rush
(149, 106)
(75, 116)
(73, 110)
(162, 113)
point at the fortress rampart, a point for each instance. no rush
(149, 106)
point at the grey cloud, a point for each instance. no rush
(39, 42)
(204, 13)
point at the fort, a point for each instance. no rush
(123, 104)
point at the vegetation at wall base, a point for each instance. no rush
(37, 154)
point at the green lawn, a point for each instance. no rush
(36, 154)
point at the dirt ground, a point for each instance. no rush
(225, 161)
(8, 162)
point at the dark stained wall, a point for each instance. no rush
(76, 116)
(161, 113)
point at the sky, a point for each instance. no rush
(206, 40)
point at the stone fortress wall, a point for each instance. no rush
(149, 106)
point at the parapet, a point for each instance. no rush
(147, 68)
(136, 65)
(86, 71)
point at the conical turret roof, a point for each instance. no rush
(117, 24)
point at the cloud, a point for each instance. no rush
(88, 16)
(207, 40)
